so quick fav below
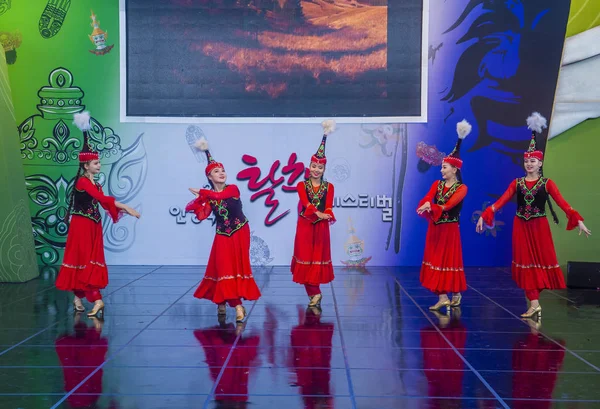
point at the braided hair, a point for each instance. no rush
(554, 216)
(80, 173)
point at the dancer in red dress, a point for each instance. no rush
(311, 262)
(83, 270)
(534, 264)
(228, 277)
(442, 269)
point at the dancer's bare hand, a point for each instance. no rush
(132, 212)
(583, 229)
(195, 191)
(479, 228)
(425, 208)
(323, 216)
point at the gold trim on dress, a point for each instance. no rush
(311, 262)
(431, 266)
(535, 266)
(228, 278)
(84, 266)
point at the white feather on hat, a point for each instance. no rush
(202, 144)
(536, 122)
(328, 126)
(82, 121)
(463, 128)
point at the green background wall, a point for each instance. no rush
(571, 163)
(17, 254)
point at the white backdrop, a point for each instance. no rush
(362, 177)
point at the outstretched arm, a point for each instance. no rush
(231, 191)
(107, 202)
(488, 214)
(200, 207)
(572, 215)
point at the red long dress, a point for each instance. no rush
(228, 274)
(442, 270)
(84, 267)
(534, 263)
(79, 355)
(311, 262)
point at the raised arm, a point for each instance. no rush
(231, 191)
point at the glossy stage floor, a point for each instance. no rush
(374, 346)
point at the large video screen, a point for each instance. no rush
(274, 58)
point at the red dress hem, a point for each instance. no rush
(84, 267)
(228, 274)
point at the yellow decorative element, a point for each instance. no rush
(97, 30)
(99, 37)
(10, 41)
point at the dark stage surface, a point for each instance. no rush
(375, 345)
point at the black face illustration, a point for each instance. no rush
(506, 70)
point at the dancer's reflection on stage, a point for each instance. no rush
(536, 362)
(311, 343)
(217, 342)
(80, 353)
(444, 369)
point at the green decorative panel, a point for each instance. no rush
(17, 254)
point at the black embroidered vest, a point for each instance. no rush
(441, 198)
(229, 215)
(85, 205)
(531, 203)
(318, 198)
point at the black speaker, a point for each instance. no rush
(583, 275)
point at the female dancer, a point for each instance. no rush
(228, 277)
(442, 268)
(83, 270)
(311, 262)
(534, 265)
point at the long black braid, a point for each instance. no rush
(554, 216)
(80, 173)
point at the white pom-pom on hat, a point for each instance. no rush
(328, 126)
(82, 120)
(536, 122)
(202, 144)
(463, 128)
